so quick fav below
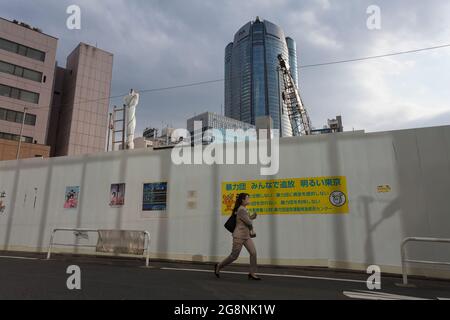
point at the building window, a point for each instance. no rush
(15, 137)
(35, 54)
(11, 116)
(15, 93)
(5, 90)
(6, 67)
(16, 116)
(22, 50)
(9, 68)
(18, 71)
(29, 96)
(19, 94)
(32, 75)
(30, 119)
(8, 45)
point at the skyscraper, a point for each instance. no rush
(253, 84)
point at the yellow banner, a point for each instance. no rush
(320, 195)
(384, 189)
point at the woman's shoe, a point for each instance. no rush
(215, 271)
(252, 277)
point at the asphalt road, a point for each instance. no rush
(31, 277)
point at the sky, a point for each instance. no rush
(163, 43)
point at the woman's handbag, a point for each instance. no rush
(230, 225)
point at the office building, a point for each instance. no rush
(253, 84)
(82, 114)
(66, 109)
(333, 126)
(27, 68)
(211, 121)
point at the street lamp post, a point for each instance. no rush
(21, 132)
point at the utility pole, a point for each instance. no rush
(110, 128)
(125, 126)
(167, 135)
(21, 132)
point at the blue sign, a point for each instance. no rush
(154, 197)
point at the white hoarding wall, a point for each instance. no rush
(398, 185)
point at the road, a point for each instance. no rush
(28, 276)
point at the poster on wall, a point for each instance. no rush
(154, 196)
(117, 195)
(71, 197)
(2, 202)
(318, 195)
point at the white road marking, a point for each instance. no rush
(375, 295)
(18, 258)
(269, 275)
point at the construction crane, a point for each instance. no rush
(298, 116)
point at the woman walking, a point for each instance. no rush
(242, 236)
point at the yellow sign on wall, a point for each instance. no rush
(320, 195)
(384, 189)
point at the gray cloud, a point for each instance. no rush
(165, 43)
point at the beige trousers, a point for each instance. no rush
(235, 252)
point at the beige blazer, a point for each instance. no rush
(243, 224)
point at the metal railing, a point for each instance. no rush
(51, 243)
(417, 239)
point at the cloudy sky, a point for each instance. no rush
(162, 43)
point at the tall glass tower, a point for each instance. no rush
(253, 84)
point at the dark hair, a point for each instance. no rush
(240, 198)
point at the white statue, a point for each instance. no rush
(131, 101)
